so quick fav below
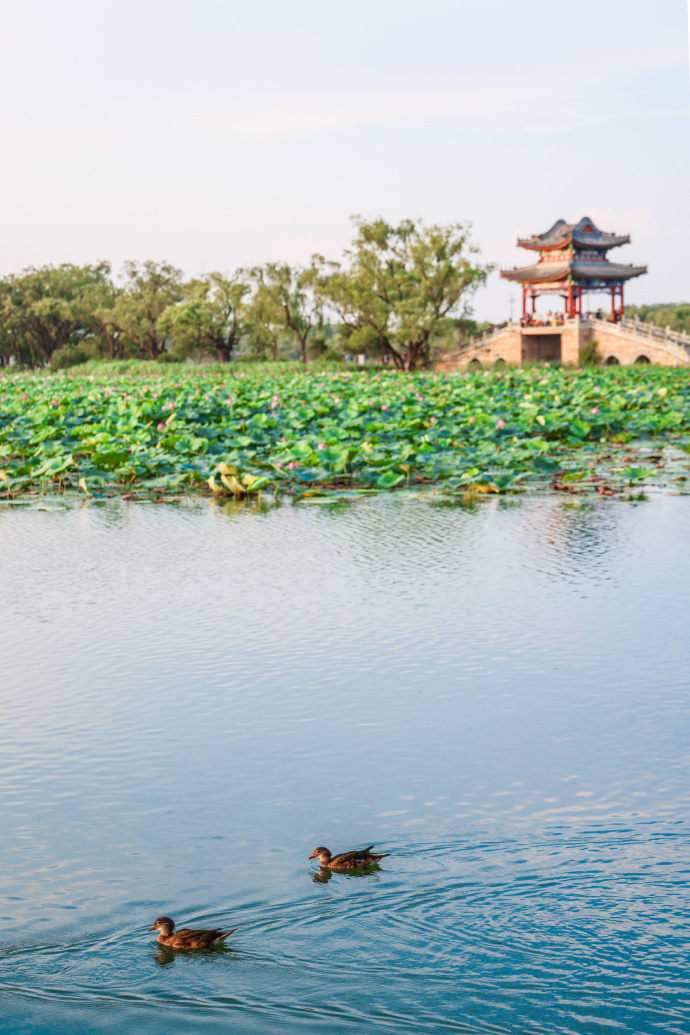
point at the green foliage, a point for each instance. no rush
(43, 310)
(589, 357)
(401, 293)
(403, 288)
(673, 315)
(308, 431)
(209, 320)
(284, 304)
(68, 356)
(138, 311)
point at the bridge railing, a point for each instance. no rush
(637, 327)
(648, 331)
(481, 339)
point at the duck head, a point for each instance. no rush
(322, 854)
(164, 924)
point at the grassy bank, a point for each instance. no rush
(178, 428)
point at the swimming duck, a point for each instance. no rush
(346, 860)
(186, 939)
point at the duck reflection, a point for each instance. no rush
(164, 956)
(323, 876)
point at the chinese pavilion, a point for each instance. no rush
(573, 260)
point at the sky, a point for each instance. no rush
(215, 134)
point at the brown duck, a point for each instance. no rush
(346, 860)
(185, 938)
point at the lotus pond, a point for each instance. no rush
(309, 434)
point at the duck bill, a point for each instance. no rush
(312, 856)
(152, 928)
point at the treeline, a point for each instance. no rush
(399, 292)
(676, 316)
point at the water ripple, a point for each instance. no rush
(193, 698)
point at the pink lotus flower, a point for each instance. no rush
(55, 403)
(500, 423)
(321, 445)
(472, 420)
(161, 427)
(385, 406)
(156, 394)
(229, 402)
(274, 401)
(432, 419)
(292, 465)
(595, 409)
(25, 397)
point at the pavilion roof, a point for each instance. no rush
(545, 272)
(583, 234)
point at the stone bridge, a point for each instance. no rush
(629, 341)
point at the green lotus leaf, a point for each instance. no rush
(390, 479)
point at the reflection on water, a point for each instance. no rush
(324, 875)
(193, 697)
(164, 956)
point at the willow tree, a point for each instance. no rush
(267, 329)
(48, 308)
(285, 297)
(149, 290)
(211, 317)
(402, 287)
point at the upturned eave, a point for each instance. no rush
(578, 272)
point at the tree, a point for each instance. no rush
(266, 326)
(403, 287)
(109, 337)
(284, 297)
(150, 289)
(46, 309)
(212, 316)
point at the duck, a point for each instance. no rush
(346, 860)
(186, 938)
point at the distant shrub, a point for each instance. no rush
(589, 357)
(68, 356)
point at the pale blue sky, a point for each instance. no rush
(214, 133)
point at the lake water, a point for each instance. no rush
(194, 697)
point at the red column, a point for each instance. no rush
(613, 304)
(622, 308)
(534, 303)
(569, 308)
(524, 302)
